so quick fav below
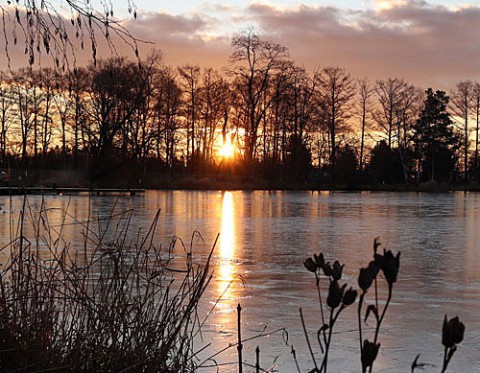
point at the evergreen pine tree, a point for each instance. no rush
(435, 141)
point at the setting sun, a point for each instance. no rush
(227, 150)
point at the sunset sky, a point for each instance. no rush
(428, 43)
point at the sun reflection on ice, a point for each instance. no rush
(227, 244)
(226, 280)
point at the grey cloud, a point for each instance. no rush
(426, 44)
(181, 38)
(150, 24)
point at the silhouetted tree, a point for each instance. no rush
(46, 80)
(301, 110)
(346, 165)
(78, 82)
(384, 166)
(476, 108)
(63, 108)
(141, 130)
(7, 114)
(113, 99)
(412, 98)
(397, 111)
(257, 61)
(168, 104)
(299, 159)
(190, 75)
(214, 104)
(365, 92)
(434, 138)
(389, 94)
(25, 109)
(287, 117)
(461, 105)
(335, 90)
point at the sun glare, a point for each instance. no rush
(389, 4)
(227, 150)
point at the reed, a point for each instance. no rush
(116, 302)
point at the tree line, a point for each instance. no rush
(287, 124)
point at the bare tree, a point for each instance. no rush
(141, 130)
(113, 99)
(461, 105)
(407, 113)
(21, 87)
(389, 94)
(167, 107)
(78, 81)
(476, 105)
(47, 81)
(63, 108)
(190, 75)
(365, 92)
(256, 62)
(6, 113)
(335, 89)
(36, 100)
(214, 103)
(281, 120)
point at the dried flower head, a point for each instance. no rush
(349, 297)
(327, 269)
(319, 260)
(389, 264)
(310, 265)
(452, 331)
(337, 270)
(335, 294)
(367, 275)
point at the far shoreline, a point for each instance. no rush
(212, 185)
(49, 181)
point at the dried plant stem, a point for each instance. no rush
(257, 360)
(333, 318)
(380, 319)
(308, 340)
(359, 314)
(447, 356)
(239, 333)
(317, 279)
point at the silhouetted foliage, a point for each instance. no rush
(299, 159)
(347, 165)
(435, 140)
(385, 165)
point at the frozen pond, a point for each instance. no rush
(266, 236)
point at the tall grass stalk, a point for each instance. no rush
(114, 302)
